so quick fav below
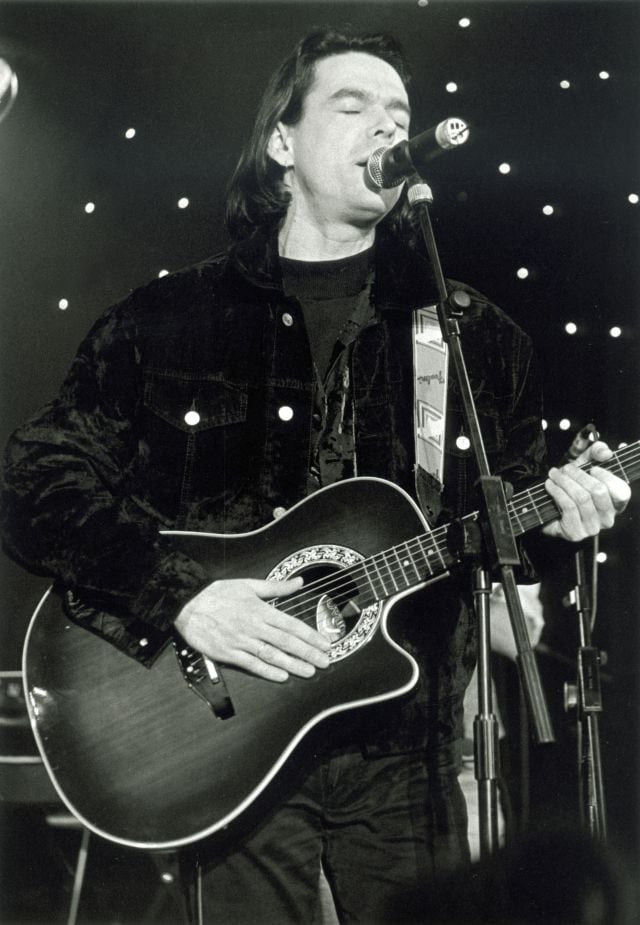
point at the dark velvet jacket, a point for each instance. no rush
(94, 476)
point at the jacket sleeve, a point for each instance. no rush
(525, 460)
(66, 512)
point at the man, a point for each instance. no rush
(216, 398)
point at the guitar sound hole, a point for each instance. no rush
(333, 597)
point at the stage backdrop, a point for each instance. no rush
(129, 118)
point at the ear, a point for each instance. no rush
(280, 146)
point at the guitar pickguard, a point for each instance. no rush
(348, 627)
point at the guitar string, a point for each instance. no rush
(526, 497)
(625, 456)
(345, 577)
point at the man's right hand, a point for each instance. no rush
(230, 621)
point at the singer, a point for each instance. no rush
(217, 398)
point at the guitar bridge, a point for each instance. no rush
(203, 679)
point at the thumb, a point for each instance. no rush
(266, 589)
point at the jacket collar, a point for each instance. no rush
(404, 280)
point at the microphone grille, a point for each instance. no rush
(376, 174)
(451, 133)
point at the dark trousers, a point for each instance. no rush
(381, 828)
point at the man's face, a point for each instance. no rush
(356, 104)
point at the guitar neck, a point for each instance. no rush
(428, 556)
(534, 507)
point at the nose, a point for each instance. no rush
(383, 126)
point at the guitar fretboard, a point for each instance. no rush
(427, 556)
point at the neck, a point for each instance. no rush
(303, 239)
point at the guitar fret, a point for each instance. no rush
(380, 578)
(526, 514)
(429, 552)
(439, 552)
(411, 561)
(517, 516)
(390, 571)
(616, 464)
(403, 566)
(374, 593)
(535, 507)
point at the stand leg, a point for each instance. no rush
(485, 726)
(191, 881)
(78, 879)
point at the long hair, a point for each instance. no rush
(256, 196)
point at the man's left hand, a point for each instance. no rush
(588, 501)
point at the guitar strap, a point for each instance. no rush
(431, 370)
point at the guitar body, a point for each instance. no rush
(143, 761)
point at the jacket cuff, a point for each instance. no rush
(175, 581)
(541, 554)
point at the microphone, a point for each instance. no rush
(390, 166)
(582, 440)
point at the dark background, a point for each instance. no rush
(187, 77)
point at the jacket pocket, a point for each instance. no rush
(194, 403)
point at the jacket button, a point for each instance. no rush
(285, 413)
(278, 512)
(192, 418)
(287, 320)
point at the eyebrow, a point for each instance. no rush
(395, 103)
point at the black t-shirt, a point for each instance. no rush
(328, 293)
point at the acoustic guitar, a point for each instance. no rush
(158, 759)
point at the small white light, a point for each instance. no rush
(621, 446)
(167, 877)
(548, 210)
(163, 273)
(423, 2)
(183, 203)
(522, 273)
(615, 331)
(505, 168)
(463, 443)
(565, 84)
(545, 424)
(63, 304)
(285, 413)
(130, 133)
(601, 557)
(571, 327)
(604, 75)
(633, 199)
(451, 87)
(564, 424)
(464, 23)
(90, 207)
(192, 418)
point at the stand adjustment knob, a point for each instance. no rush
(459, 300)
(570, 697)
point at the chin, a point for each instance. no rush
(372, 207)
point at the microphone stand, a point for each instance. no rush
(495, 545)
(585, 696)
